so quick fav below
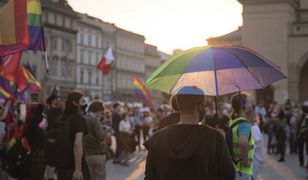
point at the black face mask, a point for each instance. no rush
(83, 107)
(201, 110)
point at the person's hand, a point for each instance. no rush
(77, 175)
(9, 101)
(46, 76)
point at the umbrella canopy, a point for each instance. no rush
(215, 70)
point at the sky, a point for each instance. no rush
(168, 24)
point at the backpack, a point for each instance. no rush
(57, 145)
(16, 159)
(229, 137)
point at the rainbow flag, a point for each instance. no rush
(33, 84)
(14, 35)
(141, 92)
(5, 87)
(9, 65)
(4, 93)
(35, 26)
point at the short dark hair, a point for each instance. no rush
(238, 102)
(305, 109)
(96, 106)
(115, 105)
(52, 98)
(186, 102)
(69, 104)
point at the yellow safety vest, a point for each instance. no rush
(236, 149)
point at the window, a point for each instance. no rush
(63, 45)
(81, 38)
(54, 65)
(70, 69)
(63, 67)
(54, 43)
(45, 17)
(90, 77)
(97, 59)
(97, 79)
(63, 22)
(59, 20)
(69, 46)
(97, 40)
(81, 76)
(54, 19)
(90, 40)
(89, 57)
(81, 56)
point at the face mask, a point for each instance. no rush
(83, 107)
(201, 110)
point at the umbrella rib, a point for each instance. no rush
(239, 59)
(215, 75)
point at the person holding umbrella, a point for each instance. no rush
(188, 150)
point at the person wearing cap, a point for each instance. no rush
(188, 150)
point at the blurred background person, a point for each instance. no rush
(125, 131)
(94, 141)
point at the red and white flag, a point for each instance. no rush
(106, 61)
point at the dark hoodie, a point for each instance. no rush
(188, 152)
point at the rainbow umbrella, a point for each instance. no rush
(217, 70)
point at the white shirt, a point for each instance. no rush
(125, 126)
(147, 120)
(261, 111)
(258, 146)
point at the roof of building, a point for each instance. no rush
(232, 36)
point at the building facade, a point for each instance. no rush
(152, 62)
(89, 53)
(277, 29)
(130, 61)
(109, 40)
(60, 40)
(75, 44)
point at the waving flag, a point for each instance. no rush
(142, 92)
(14, 35)
(106, 61)
(6, 88)
(9, 66)
(35, 26)
(33, 84)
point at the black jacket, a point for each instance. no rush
(33, 132)
(188, 152)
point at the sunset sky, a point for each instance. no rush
(168, 24)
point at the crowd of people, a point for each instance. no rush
(175, 151)
(83, 134)
(285, 124)
(66, 138)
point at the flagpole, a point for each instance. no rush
(46, 62)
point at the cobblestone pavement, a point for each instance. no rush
(134, 172)
(288, 170)
(272, 169)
